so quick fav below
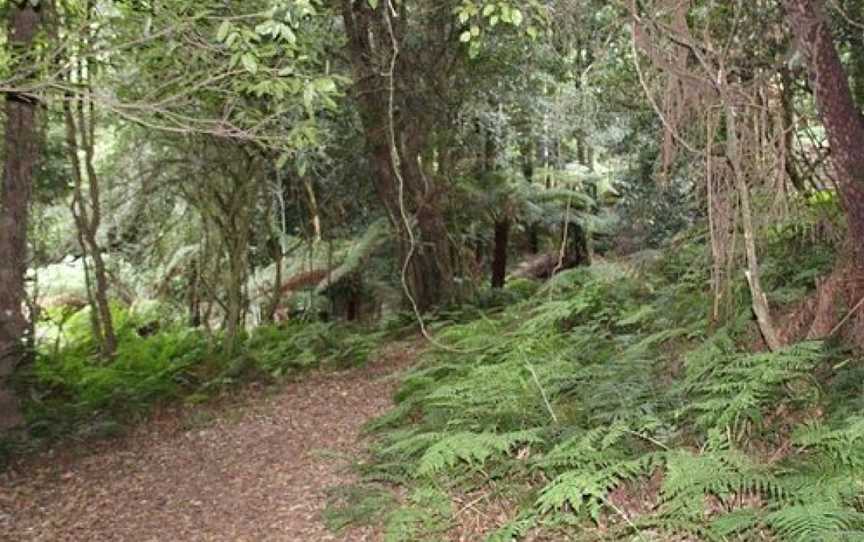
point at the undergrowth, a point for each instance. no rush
(616, 411)
(70, 392)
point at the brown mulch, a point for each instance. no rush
(255, 472)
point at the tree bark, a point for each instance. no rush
(21, 156)
(787, 102)
(838, 112)
(528, 151)
(402, 185)
(276, 296)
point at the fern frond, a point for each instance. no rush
(581, 491)
(816, 522)
(514, 530)
(585, 489)
(689, 478)
(471, 448)
(844, 445)
(736, 522)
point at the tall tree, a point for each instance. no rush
(837, 109)
(844, 128)
(21, 155)
(397, 120)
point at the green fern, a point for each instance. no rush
(515, 529)
(728, 474)
(735, 389)
(631, 395)
(426, 516)
(470, 448)
(843, 445)
(581, 491)
(816, 522)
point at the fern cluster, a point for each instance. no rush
(610, 400)
(70, 390)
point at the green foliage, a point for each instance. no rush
(425, 517)
(608, 387)
(472, 448)
(731, 390)
(816, 521)
(842, 446)
(71, 384)
(70, 388)
(278, 350)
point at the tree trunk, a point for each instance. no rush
(88, 218)
(845, 131)
(276, 296)
(528, 152)
(194, 295)
(499, 261)
(787, 102)
(759, 300)
(402, 185)
(21, 155)
(235, 305)
(838, 113)
(577, 246)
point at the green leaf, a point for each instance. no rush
(222, 33)
(516, 17)
(288, 34)
(325, 84)
(465, 37)
(249, 62)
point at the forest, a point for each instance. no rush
(432, 270)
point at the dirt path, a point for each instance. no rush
(256, 473)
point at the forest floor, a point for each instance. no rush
(257, 469)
